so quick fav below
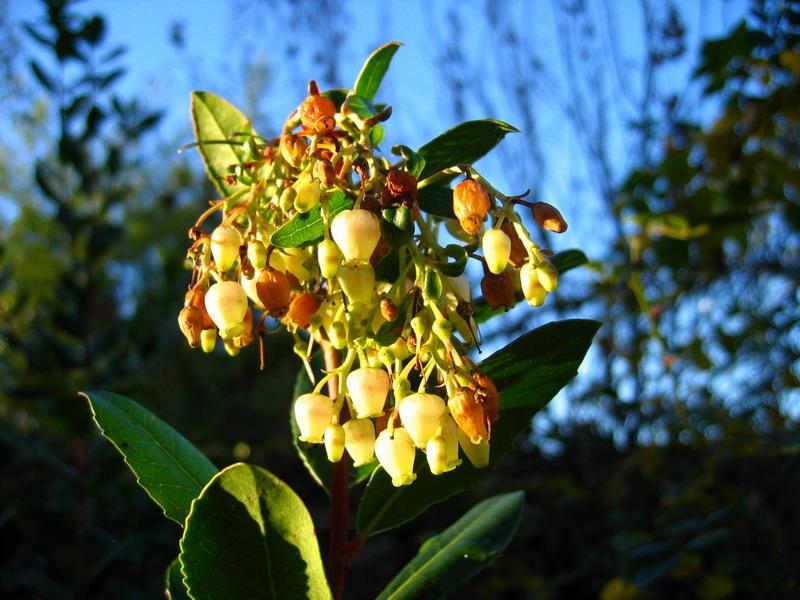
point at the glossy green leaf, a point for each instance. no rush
(562, 261)
(448, 560)
(548, 358)
(305, 229)
(169, 468)
(374, 69)
(173, 582)
(436, 200)
(463, 144)
(250, 536)
(214, 119)
(313, 456)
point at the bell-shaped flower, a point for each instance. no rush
(226, 303)
(359, 440)
(420, 414)
(395, 451)
(313, 413)
(356, 232)
(225, 243)
(368, 388)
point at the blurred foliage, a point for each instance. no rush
(674, 477)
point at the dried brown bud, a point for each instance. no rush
(470, 205)
(388, 309)
(302, 308)
(469, 414)
(323, 171)
(293, 149)
(196, 297)
(361, 167)
(411, 342)
(190, 320)
(316, 114)
(548, 217)
(498, 290)
(400, 183)
(518, 253)
(273, 291)
(486, 393)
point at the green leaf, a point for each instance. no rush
(463, 144)
(562, 261)
(374, 69)
(214, 119)
(437, 201)
(250, 536)
(173, 581)
(305, 229)
(448, 560)
(313, 455)
(548, 359)
(169, 468)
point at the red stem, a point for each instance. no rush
(339, 557)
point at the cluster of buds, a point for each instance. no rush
(325, 238)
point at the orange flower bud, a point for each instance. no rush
(468, 414)
(293, 149)
(548, 217)
(197, 297)
(301, 308)
(470, 204)
(316, 114)
(273, 291)
(190, 320)
(518, 254)
(486, 393)
(498, 290)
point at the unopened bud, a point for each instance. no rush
(334, 442)
(420, 324)
(496, 247)
(470, 204)
(395, 452)
(293, 149)
(337, 334)
(313, 413)
(329, 257)
(450, 433)
(548, 276)
(532, 289)
(308, 194)
(368, 388)
(231, 349)
(286, 201)
(225, 242)
(548, 217)
(443, 329)
(436, 453)
(359, 440)
(401, 388)
(356, 232)
(257, 254)
(208, 340)
(420, 414)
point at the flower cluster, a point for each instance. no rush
(326, 238)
